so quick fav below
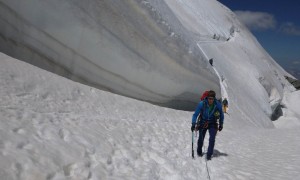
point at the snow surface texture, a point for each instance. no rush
(53, 128)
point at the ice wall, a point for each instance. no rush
(135, 48)
(153, 50)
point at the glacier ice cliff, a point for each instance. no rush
(152, 50)
(126, 47)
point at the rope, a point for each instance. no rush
(208, 174)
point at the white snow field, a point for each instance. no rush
(53, 128)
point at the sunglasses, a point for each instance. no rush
(210, 98)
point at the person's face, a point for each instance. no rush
(210, 100)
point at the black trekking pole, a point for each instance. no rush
(193, 145)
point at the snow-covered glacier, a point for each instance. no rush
(153, 50)
(127, 47)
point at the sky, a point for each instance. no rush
(276, 25)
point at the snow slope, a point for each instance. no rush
(52, 128)
(245, 67)
(152, 50)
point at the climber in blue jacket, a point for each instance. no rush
(208, 112)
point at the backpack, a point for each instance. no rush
(204, 95)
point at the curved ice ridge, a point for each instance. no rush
(126, 47)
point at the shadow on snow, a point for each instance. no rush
(218, 153)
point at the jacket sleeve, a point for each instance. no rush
(221, 121)
(197, 111)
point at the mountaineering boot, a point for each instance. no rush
(199, 153)
(208, 157)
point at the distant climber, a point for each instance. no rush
(211, 61)
(208, 112)
(222, 78)
(225, 105)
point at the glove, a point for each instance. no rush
(193, 127)
(220, 127)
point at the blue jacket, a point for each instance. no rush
(203, 108)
